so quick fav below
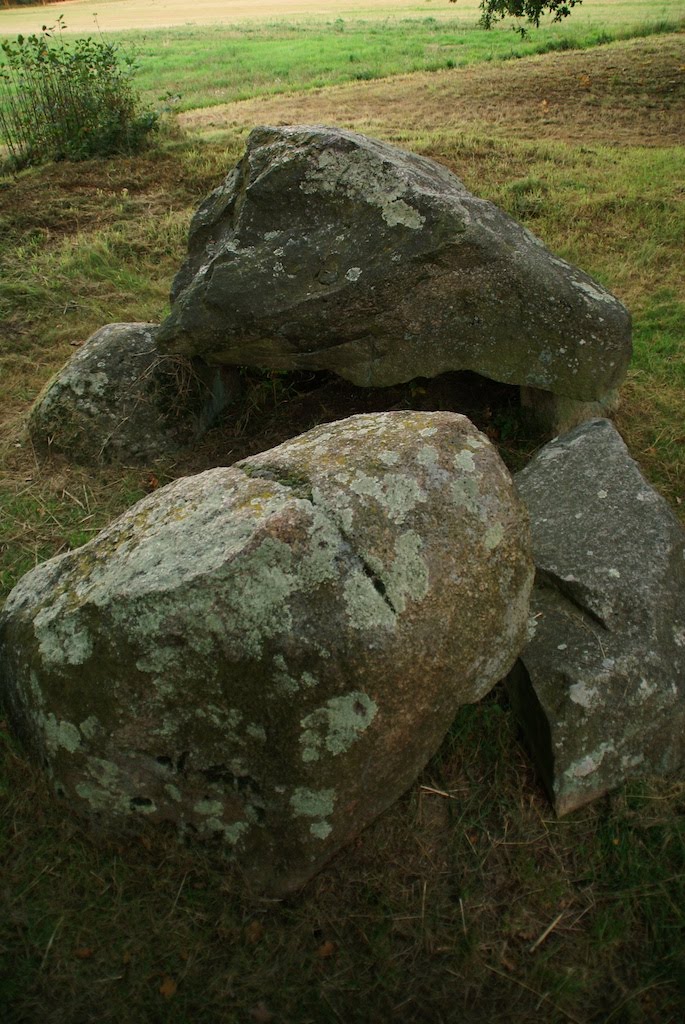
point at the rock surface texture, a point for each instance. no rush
(269, 653)
(600, 689)
(324, 249)
(119, 399)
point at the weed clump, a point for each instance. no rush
(69, 102)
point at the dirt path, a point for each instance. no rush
(630, 93)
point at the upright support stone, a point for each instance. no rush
(600, 686)
(119, 399)
(554, 414)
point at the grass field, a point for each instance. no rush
(467, 901)
(117, 15)
(283, 48)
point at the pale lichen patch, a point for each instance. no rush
(408, 575)
(398, 494)
(319, 562)
(287, 683)
(208, 807)
(143, 806)
(312, 803)
(585, 696)
(428, 457)
(320, 829)
(264, 594)
(61, 734)
(389, 457)
(400, 212)
(464, 462)
(365, 180)
(646, 689)
(90, 727)
(235, 831)
(588, 764)
(337, 725)
(232, 833)
(366, 608)
(465, 493)
(494, 535)
(62, 640)
(591, 291)
(108, 790)
(476, 441)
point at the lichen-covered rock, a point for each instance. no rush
(324, 249)
(269, 653)
(600, 688)
(119, 399)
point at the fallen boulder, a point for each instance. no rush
(600, 687)
(119, 399)
(268, 654)
(324, 249)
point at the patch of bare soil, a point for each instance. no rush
(630, 93)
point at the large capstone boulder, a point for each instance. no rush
(119, 399)
(324, 249)
(600, 688)
(268, 654)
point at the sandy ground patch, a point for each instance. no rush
(630, 93)
(115, 15)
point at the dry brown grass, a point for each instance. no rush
(628, 94)
(114, 15)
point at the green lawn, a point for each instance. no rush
(189, 67)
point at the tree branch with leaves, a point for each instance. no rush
(528, 11)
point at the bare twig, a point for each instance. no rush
(436, 792)
(548, 931)
(176, 898)
(50, 942)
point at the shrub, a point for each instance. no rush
(69, 102)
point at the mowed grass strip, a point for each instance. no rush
(625, 93)
(193, 69)
(467, 900)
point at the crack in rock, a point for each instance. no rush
(302, 488)
(573, 592)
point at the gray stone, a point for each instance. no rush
(324, 249)
(119, 399)
(600, 688)
(553, 414)
(268, 654)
